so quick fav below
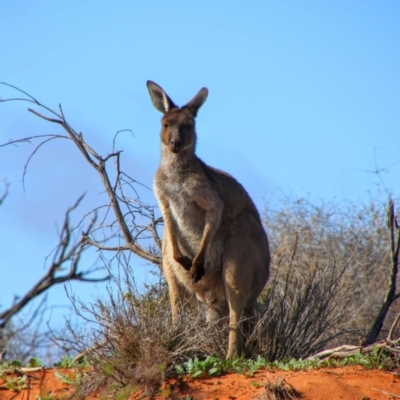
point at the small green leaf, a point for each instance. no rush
(197, 374)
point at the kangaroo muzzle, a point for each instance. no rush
(175, 145)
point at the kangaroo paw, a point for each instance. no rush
(186, 262)
(197, 271)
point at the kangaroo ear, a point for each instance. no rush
(159, 98)
(197, 101)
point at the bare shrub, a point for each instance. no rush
(299, 315)
(133, 341)
(348, 239)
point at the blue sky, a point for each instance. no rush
(304, 98)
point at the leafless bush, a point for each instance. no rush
(300, 314)
(132, 339)
(353, 237)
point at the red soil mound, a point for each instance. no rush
(324, 384)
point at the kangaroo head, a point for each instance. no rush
(178, 123)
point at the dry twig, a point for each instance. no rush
(391, 295)
(66, 253)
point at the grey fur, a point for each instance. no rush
(214, 244)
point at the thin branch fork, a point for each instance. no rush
(100, 167)
(98, 163)
(64, 253)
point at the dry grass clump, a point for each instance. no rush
(279, 389)
(134, 342)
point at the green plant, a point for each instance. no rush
(68, 362)
(213, 366)
(124, 393)
(107, 369)
(68, 379)
(34, 362)
(195, 368)
(10, 366)
(16, 384)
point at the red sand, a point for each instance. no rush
(324, 384)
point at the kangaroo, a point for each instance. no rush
(214, 245)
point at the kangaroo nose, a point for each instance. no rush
(175, 144)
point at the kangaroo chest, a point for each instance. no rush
(179, 193)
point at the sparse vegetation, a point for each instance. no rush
(68, 379)
(16, 383)
(68, 362)
(214, 366)
(136, 342)
(302, 311)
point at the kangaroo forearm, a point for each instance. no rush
(172, 234)
(213, 219)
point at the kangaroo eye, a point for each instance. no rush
(165, 125)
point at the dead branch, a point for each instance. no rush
(65, 253)
(346, 351)
(84, 353)
(115, 191)
(391, 295)
(22, 370)
(5, 194)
